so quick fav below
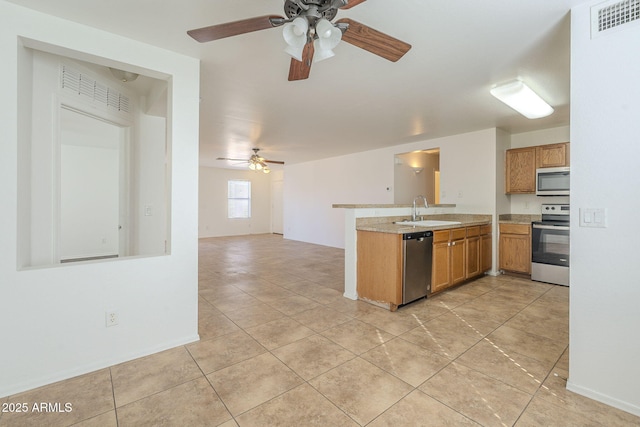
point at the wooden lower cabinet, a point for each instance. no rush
(380, 267)
(449, 257)
(486, 248)
(515, 248)
(441, 266)
(458, 261)
(459, 254)
(473, 252)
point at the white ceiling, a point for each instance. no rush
(355, 101)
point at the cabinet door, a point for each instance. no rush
(457, 254)
(473, 257)
(520, 171)
(486, 249)
(515, 253)
(552, 155)
(440, 267)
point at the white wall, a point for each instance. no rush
(150, 186)
(213, 221)
(467, 170)
(55, 317)
(408, 184)
(530, 203)
(605, 148)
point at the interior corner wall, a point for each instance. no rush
(213, 221)
(55, 317)
(467, 174)
(605, 130)
(503, 201)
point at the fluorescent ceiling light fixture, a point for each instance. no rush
(521, 98)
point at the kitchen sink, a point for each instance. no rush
(428, 223)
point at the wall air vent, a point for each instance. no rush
(613, 14)
(88, 88)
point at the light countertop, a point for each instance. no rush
(518, 218)
(384, 206)
(386, 224)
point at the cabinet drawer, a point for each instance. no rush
(440, 236)
(473, 231)
(458, 233)
(515, 229)
(485, 229)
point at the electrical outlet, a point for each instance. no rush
(111, 318)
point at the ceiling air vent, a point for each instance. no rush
(613, 14)
(89, 89)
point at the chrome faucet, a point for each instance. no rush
(415, 209)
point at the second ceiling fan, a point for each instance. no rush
(255, 162)
(309, 32)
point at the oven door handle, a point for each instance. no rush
(550, 227)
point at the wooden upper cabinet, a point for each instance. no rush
(552, 155)
(520, 171)
(521, 165)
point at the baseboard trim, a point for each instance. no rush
(33, 383)
(603, 398)
(351, 296)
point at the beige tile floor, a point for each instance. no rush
(280, 346)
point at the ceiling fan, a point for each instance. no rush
(256, 162)
(309, 32)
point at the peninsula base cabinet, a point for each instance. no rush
(515, 248)
(459, 254)
(380, 268)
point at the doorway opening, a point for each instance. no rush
(93, 211)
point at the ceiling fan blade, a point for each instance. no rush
(233, 160)
(373, 40)
(300, 70)
(235, 28)
(275, 162)
(352, 3)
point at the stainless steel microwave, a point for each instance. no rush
(552, 181)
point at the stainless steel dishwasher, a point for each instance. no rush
(417, 249)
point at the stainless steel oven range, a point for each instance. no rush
(550, 245)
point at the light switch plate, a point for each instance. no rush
(593, 217)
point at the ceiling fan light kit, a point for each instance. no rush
(295, 32)
(523, 99)
(309, 33)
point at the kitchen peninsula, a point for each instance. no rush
(379, 220)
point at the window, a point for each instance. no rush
(239, 199)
